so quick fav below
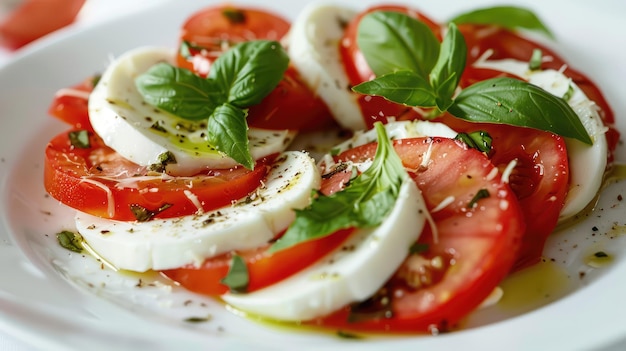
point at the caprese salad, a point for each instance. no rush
(460, 147)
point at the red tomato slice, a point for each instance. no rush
(474, 251)
(506, 44)
(98, 181)
(35, 18)
(213, 30)
(373, 108)
(540, 179)
(291, 105)
(70, 105)
(264, 268)
(210, 32)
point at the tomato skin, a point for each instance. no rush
(291, 105)
(70, 173)
(264, 268)
(71, 107)
(216, 28)
(35, 18)
(476, 246)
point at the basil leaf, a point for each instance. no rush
(514, 102)
(237, 278)
(391, 41)
(228, 131)
(249, 71)
(404, 87)
(510, 17)
(179, 91)
(447, 72)
(364, 203)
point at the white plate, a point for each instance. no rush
(53, 299)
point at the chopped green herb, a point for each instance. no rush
(346, 335)
(70, 241)
(79, 139)
(535, 60)
(143, 214)
(198, 319)
(569, 93)
(479, 140)
(234, 16)
(418, 248)
(481, 194)
(237, 278)
(600, 254)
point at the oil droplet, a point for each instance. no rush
(534, 287)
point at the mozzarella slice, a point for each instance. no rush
(398, 130)
(313, 47)
(170, 243)
(587, 163)
(345, 275)
(149, 136)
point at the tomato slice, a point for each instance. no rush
(291, 105)
(214, 29)
(32, 19)
(507, 44)
(264, 268)
(474, 250)
(210, 32)
(70, 105)
(540, 178)
(373, 108)
(98, 181)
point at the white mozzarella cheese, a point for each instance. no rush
(170, 243)
(146, 135)
(313, 47)
(587, 163)
(398, 130)
(344, 275)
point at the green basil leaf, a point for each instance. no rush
(391, 41)
(515, 102)
(510, 17)
(404, 87)
(179, 91)
(364, 203)
(447, 72)
(249, 71)
(228, 132)
(237, 278)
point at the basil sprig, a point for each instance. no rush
(238, 79)
(499, 100)
(510, 17)
(364, 203)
